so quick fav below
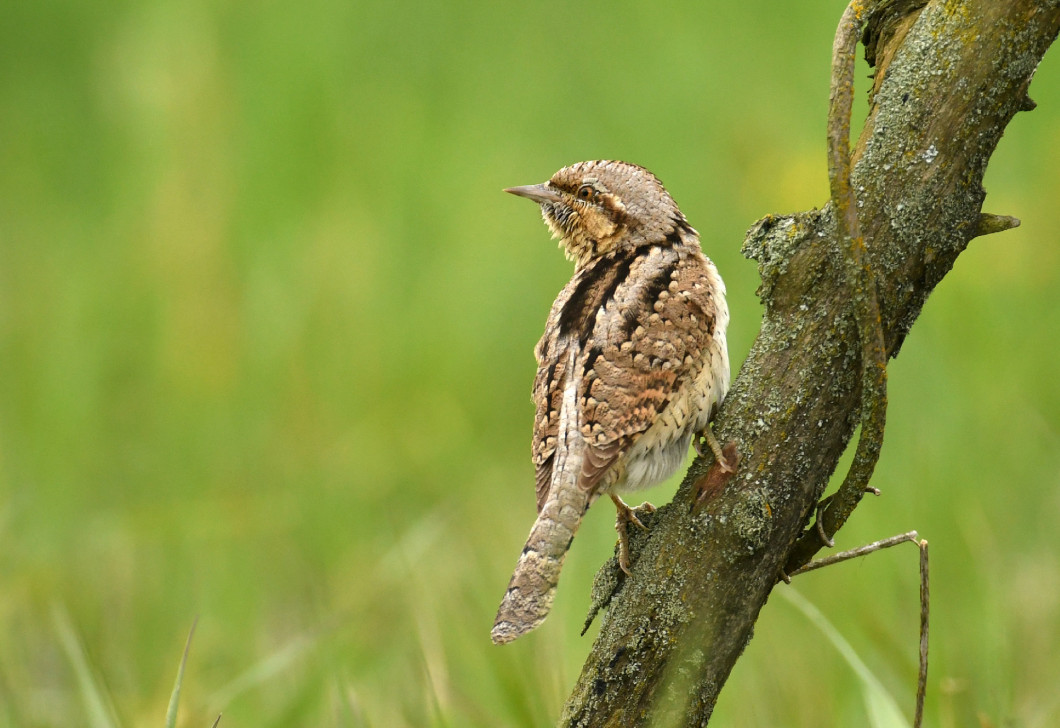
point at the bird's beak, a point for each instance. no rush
(541, 193)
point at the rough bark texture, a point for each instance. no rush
(950, 76)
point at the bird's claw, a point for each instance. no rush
(715, 447)
(720, 473)
(625, 516)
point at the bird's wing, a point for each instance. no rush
(548, 400)
(643, 321)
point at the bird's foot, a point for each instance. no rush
(627, 515)
(720, 473)
(715, 447)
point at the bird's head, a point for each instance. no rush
(597, 207)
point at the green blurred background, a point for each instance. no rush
(266, 324)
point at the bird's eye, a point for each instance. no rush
(585, 192)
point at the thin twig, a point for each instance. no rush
(921, 678)
(854, 553)
(862, 283)
(925, 600)
(825, 539)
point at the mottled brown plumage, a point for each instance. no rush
(632, 364)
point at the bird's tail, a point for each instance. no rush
(528, 599)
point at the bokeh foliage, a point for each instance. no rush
(265, 339)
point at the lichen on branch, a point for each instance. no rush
(949, 78)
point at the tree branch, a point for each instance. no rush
(948, 80)
(861, 282)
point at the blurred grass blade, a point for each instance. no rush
(99, 711)
(882, 709)
(174, 699)
(263, 670)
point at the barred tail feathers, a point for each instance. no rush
(528, 598)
